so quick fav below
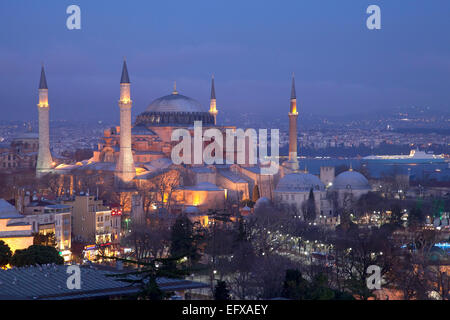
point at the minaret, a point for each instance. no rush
(125, 171)
(293, 115)
(212, 105)
(44, 160)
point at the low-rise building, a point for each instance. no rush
(47, 217)
(84, 216)
(21, 154)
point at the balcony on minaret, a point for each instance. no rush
(43, 104)
(43, 98)
(125, 93)
(213, 110)
(293, 110)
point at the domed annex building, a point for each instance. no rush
(294, 188)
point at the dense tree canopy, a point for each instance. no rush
(255, 193)
(221, 291)
(36, 254)
(5, 254)
(48, 239)
(184, 240)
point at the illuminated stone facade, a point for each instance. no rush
(16, 233)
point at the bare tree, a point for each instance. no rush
(150, 240)
(420, 271)
(269, 229)
(159, 189)
(355, 250)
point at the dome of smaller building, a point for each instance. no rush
(261, 202)
(351, 180)
(299, 182)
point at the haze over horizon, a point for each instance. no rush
(252, 48)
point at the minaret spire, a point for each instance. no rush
(125, 78)
(212, 105)
(43, 80)
(213, 89)
(293, 115)
(44, 160)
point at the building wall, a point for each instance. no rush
(354, 195)
(237, 191)
(297, 199)
(16, 237)
(107, 227)
(327, 175)
(63, 230)
(45, 219)
(21, 154)
(18, 243)
(265, 182)
(84, 217)
(205, 177)
(203, 199)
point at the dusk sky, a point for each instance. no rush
(252, 48)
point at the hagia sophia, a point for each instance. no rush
(134, 155)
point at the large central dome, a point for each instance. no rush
(174, 103)
(174, 109)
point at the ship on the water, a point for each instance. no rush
(415, 156)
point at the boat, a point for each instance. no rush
(415, 156)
